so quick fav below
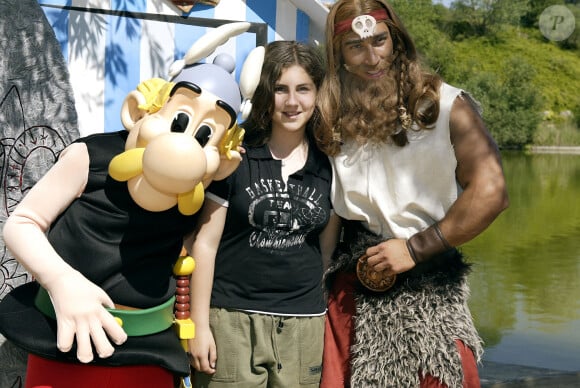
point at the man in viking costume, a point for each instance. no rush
(416, 174)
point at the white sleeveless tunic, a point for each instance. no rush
(399, 191)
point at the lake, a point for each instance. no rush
(525, 284)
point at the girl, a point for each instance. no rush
(262, 236)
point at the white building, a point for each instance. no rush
(109, 49)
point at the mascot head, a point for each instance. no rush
(183, 133)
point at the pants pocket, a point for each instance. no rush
(311, 346)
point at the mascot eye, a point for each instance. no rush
(203, 134)
(180, 122)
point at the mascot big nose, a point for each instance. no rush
(189, 164)
(180, 173)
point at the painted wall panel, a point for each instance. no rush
(112, 45)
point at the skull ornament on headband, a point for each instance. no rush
(364, 26)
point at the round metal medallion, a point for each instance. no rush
(373, 280)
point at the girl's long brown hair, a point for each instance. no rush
(280, 55)
(352, 108)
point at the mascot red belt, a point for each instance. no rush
(101, 232)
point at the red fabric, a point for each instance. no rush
(339, 336)
(339, 332)
(44, 373)
(470, 373)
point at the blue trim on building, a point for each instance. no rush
(265, 12)
(122, 65)
(302, 26)
(59, 21)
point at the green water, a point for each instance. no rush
(525, 287)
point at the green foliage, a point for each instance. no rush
(554, 78)
(508, 102)
(422, 20)
(576, 113)
(484, 17)
(556, 133)
(536, 7)
(573, 41)
(504, 61)
(531, 20)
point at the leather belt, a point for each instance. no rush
(135, 322)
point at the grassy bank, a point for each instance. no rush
(550, 133)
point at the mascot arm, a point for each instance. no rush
(24, 231)
(78, 303)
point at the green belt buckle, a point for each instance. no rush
(135, 322)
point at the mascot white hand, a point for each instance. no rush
(80, 307)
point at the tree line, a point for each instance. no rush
(494, 49)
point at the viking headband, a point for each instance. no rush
(362, 25)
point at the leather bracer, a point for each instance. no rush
(426, 244)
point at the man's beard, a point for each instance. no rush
(369, 107)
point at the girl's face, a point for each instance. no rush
(368, 58)
(294, 100)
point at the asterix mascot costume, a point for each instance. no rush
(102, 231)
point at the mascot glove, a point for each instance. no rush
(80, 311)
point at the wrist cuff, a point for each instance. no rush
(426, 244)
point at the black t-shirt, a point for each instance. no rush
(127, 250)
(269, 257)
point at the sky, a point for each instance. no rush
(444, 2)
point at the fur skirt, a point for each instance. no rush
(410, 329)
